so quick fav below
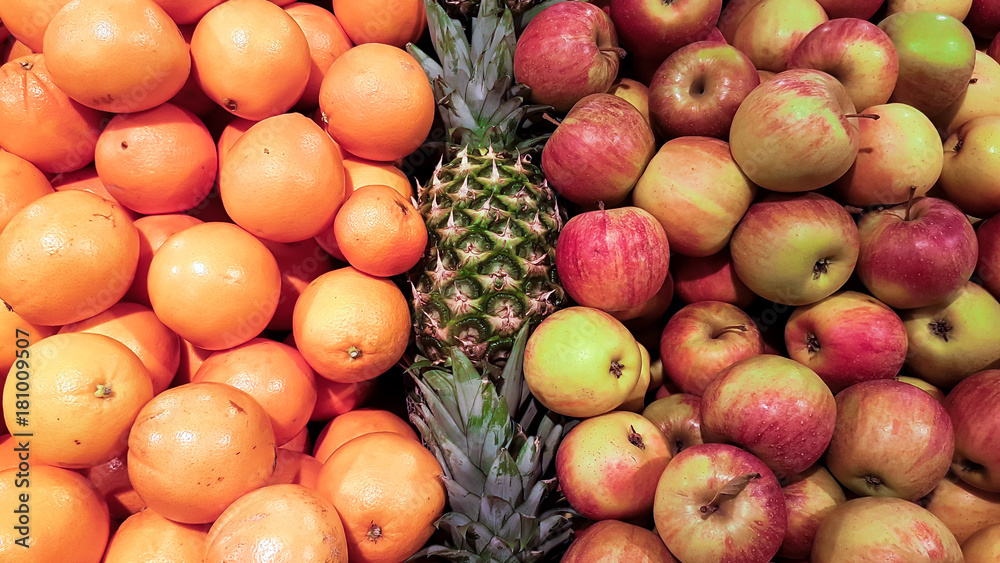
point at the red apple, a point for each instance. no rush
(608, 465)
(702, 339)
(962, 507)
(698, 88)
(614, 541)
(653, 29)
(612, 259)
(794, 133)
(678, 416)
(598, 152)
(916, 254)
(983, 18)
(972, 405)
(855, 52)
(709, 278)
(731, 16)
(809, 497)
(861, 9)
(879, 530)
(776, 258)
(650, 311)
(717, 502)
(847, 338)
(891, 440)
(772, 29)
(775, 408)
(566, 52)
(697, 192)
(988, 261)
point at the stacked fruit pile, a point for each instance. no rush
(697, 281)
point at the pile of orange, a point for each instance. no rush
(203, 222)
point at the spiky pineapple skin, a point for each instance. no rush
(489, 268)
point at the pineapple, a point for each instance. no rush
(492, 220)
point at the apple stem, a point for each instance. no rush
(551, 119)
(973, 80)
(730, 490)
(635, 438)
(909, 202)
(616, 50)
(731, 328)
(863, 115)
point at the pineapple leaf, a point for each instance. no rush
(528, 463)
(514, 387)
(499, 550)
(449, 42)
(494, 511)
(504, 480)
(539, 492)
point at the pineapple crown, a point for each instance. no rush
(481, 105)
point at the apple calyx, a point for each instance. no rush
(940, 328)
(729, 491)
(731, 328)
(973, 80)
(812, 343)
(873, 482)
(616, 369)
(635, 438)
(821, 267)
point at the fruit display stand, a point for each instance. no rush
(500, 281)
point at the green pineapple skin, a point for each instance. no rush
(492, 223)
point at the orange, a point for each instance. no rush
(327, 40)
(283, 180)
(230, 134)
(138, 328)
(290, 520)
(377, 102)
(191, 359)
(388, 491)
(334, 398)
(161, 160)
(111, 479)
(87, 180)
(358, 422)
(379, 232)
(300, 263)
(393, 22)
(40, 123)
(11, 451)
(66, 517)
(251, 58)
(84, 393)
(274, 374)
(211, 209)
(116, 55)
(98, 250)
(27, 20)
(196, 448)
(191, 97)
(185, 12)
(15, 50)
(21, 183)
(147, 537)
(351, 326)
(301, 442)
(214, 284)
(153, 231)
(19, 334)
(296, 468)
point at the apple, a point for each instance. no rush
(987, 264)
(775, 408)
(916, 254)
(891, 440)
(695, 190)
(771, 30)
(970, 176)
(983, 546)
(855, 52)
(899, 153)
(972, 405)
(765, 75)
(581, 362)
(860, 9)
(952, 340)
(809, 497)
(717, 502)
(962, 507)
(881, 529)
(655, 374)
(702, 339)
(650, 311)
(957, 9)
(936, 56)
(608, 465)
(612, 259)
(731, 16)
(614, 541)
(794, 133)
(931, 390)
(710, 278)
(984, 18)
(697, 89)
(636, 400)
(653, 29)
(567, 51)
(847, 338)
(678, 416)
(795, 249)
(978, 99)
(993, 49)
(598, 152)
(633, 92)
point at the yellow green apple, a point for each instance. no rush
(970, 175)
(962, 507)
(983, 546)
(636, 400)
(978, 100)
(772, 29)
(633, 92)
(957, 9)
